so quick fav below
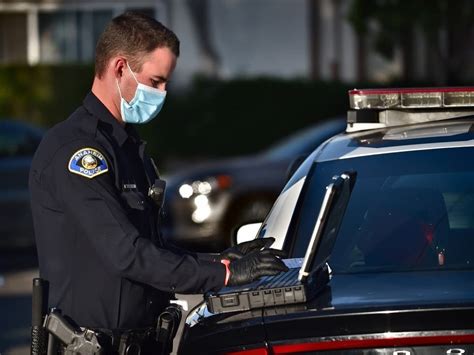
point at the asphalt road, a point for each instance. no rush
(17, 269)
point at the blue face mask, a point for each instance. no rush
(145, 105)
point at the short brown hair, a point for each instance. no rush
(132, 35)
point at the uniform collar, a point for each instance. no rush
(120, 133)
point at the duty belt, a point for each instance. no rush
(129, 342)
(52, 333)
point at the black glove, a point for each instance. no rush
(255, 265)
(238, 251)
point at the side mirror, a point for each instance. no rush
(295, 164)
(247, 232)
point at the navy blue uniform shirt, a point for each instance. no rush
(96, 228)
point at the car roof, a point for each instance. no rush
(452, 133)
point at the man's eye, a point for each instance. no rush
(154, 83)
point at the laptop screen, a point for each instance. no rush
(327, 224)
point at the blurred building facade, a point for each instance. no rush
(58, 31)
(220, 38)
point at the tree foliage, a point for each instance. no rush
(446, 25)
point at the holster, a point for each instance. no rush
(52, 333)
(167, 327)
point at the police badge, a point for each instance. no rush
(88, 162)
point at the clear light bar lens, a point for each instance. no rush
(411, 98)
(416, 100)
(459, 99)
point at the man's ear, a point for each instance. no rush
(117, 65)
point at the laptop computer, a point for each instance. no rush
(299, 283)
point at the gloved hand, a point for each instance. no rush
(256, 264)
(239, 250)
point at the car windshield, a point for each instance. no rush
(407, 211)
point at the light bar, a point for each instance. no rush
(411, 98)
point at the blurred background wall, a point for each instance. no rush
(257, 68)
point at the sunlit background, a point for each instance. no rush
(251, 73)
(257, 68)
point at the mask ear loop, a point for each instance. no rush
(118, 86)
(131, 72)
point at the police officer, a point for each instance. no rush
(93, 193)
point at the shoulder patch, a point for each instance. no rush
(88, 162)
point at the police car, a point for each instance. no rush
(400, 247)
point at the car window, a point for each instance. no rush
(407, 211)
(17, 140)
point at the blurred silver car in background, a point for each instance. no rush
(205, 204)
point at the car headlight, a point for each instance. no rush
(205, 187)
(185, 191)
(199, 191)
(202, 211)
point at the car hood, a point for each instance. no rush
(347, 305)
(372, 292)
(376, 304)
(401, 288)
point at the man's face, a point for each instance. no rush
(155, 72)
